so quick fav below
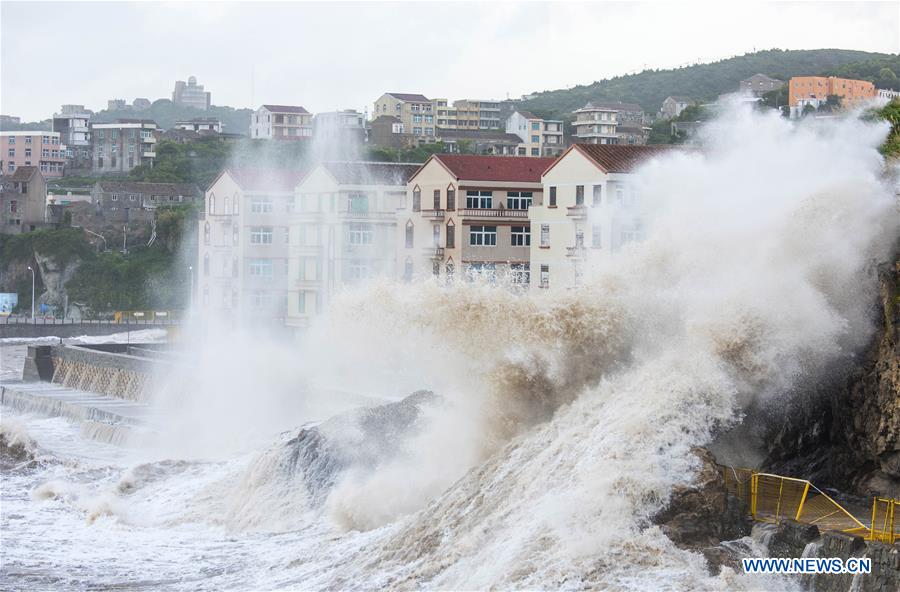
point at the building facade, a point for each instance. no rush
(342, 232)
(468, 114)
(244, 246)
(200, 124)
(119, 147)
(589, 206)
(191, 94)
(73, 125)
(44, 150)
(479, 142)
(673, 106)
(127, 201)
(539, 137)
(22, 200)
(851, 92)
(281, 122)
(467, 216)
(758, 85)
(415, 112)
(595, 123)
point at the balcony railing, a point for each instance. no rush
(370, 215)
(494, 213)
(146, 154)
(434, 252)
(579, 211)
(576, 251)
(433, 214)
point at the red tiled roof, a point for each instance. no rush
(623, 158)
(523, 169)
(285, 109)
(258, 179)
(410, 97)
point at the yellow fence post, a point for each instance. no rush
(753, 485)
(874, 513)
(802, 501)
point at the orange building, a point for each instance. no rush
(820, 87)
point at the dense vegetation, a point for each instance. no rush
(705, 82)
(891, 114)
(165, 113)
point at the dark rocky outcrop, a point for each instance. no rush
(845, 431)
(703, 514)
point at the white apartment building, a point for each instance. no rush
(590, 207)
(281, 122)
(596, 124)
(468, 215)
(343, 232)
(540, 137)
(242, 267)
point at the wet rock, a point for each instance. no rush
(791, 538)
(702, 514)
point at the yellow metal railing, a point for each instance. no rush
(884, 525)
(772, 498)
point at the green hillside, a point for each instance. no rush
(165, 113)
(705, 82)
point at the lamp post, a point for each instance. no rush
(191, 298)
(32, 292)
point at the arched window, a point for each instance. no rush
(451, 234)
(206, 233)
(417, 199)
(450, 269)
(212, 204)
(227, 206)
(206, 264)
(235, 234)
(451, 197)
(234, 205)
(409, 234)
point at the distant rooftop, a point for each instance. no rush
(371, 173)
(623, 158)
(286, 109)
(522, 169)
(415, 98)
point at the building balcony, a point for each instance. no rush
(494, 213)
(579, 212)
(578, 251)
(148, 140)
(433, 214)
(434, 252)
(371, 215)
(306, 284)
(148, 154)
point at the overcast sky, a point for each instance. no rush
(344, 55)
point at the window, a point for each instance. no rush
(437, 199)
(579, 195)
(535, 151)
(212, 204)
(545, 276)
(358, 270)
(436, 235)
(12, 140)
(545, 235)
(408, 269)
(552, 197)
(535, 139)
(535, 126)
(417, 200)
(620, 195)
(436, 269)
(487, 271)
(518, 200)
(596, 242)
(261, 268)
(261, 205)
(11, 153)
(483, 236)
(13, 206)
(598, 195)
(361, 234)
(206, 264)
(28, 153)
(476, 200)
(451, 198)
(409, 234)
(261, 235)
(115, 197)
(235, 234)
(520, 236)
(417, 131)
(451, 235)
(131, 197)
(520, 274)
(359, 202)
(417, 119)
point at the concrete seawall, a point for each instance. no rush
(26, 330)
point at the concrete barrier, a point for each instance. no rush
(39, 329)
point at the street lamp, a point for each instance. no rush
(32, 292)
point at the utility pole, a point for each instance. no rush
(191, 298)
(32, 292)
(125, 239)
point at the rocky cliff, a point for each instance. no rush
(845, 433)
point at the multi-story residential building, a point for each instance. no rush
(590, 205)
(191, 94)
(480, 142)
(281, 122)
(468, 114)
(200, 124)
(595, 123)
(127, 201)
(415, 112)
(673, 106)
(851, 92)
(759, 84)
(245, 244)
(73, 125)
(338, 134)
(44, 150)
(343, 231)
(469, 215)
(539, 137)
(120, 146)
(388, 131)
(22, 200)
